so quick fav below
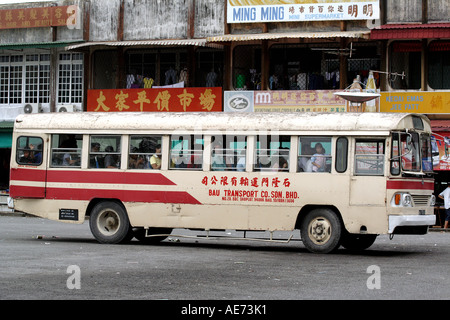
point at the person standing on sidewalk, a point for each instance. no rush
(446, 196)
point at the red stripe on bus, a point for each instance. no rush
(144, 177)
(34, 175)
(26, 192)
(406, 185)
(123, 195)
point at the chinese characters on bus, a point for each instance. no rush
(263, 189)
(153, 100)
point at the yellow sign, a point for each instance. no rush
(415, 102)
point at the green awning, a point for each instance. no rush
(5, 140)
(41, 45)
(6, 130)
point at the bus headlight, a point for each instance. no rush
(402, 200)
(432, 200)
(407, 200)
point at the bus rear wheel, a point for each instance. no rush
(109, 223)
(321, 231)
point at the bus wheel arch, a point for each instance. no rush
(109, 222)
(321, 228)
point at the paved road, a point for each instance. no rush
(41, 259)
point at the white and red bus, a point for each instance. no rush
(339, 178)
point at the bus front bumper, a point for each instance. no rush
(411, 222)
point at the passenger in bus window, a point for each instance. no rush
(26, 157)
(155, 160)
(217, 158)
(110, 161)
(136, 161)
(318, 160)
(241, 162)
(68, 160)
(37, 154)
(95, 160)
(279, 163)
(196, 157)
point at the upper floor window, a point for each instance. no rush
(70, 78)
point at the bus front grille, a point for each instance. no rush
(421, 200)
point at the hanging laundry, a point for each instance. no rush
(148, 83)
(171, 76)
(130, 80)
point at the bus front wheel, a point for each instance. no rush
(321, 231)
(109, 223)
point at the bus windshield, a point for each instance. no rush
(411, 152)
(427, 157)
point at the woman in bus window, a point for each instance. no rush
(318, 160)
(155, 160)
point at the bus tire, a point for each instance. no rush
(321, 231)
(139, 234)
(109, 223)
(358, 241)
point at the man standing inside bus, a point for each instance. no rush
(446, 196)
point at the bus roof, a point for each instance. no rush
(216, 121)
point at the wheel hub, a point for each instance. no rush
(108, 223)
(319, 230)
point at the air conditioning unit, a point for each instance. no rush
(65, 108)
(32, 108)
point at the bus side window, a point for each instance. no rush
(395, 154)
(341, 154)
(145, 152)
(369, 157)
(29, 151)
(66, 150)
(272, 153)
(186, 152)
(105, 152)
(314, 154)
(228, 153)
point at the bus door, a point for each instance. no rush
(368, 184)
(28, 169)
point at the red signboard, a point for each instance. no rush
(203, 99)
(38, 17)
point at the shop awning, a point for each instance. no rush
(288, 35)
(6, 129)
(411, 31)
(440, 125)
(41, 45)
(156, 43)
